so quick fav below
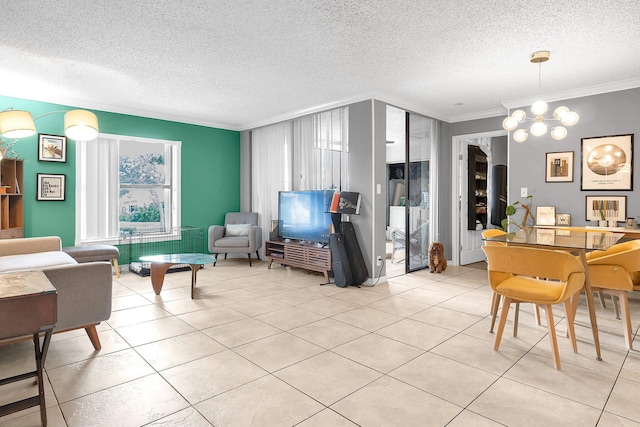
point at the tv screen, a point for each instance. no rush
(304, 215)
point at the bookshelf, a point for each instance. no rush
(11, 198)
(477, 197)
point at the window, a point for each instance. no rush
(126, 185)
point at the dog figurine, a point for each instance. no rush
(437, 260)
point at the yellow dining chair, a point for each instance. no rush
(495, 299)
(538, 276)
(615, 272)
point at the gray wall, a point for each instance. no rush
(613, 113)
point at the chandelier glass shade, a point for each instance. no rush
(538, 124)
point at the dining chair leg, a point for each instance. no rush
(616, 309)
(495, 304)
(601, 296)
(624, 308)
(570, 318)
(552, 336)
(503, 320)
(536, 313)
(515, 320)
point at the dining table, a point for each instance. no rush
(576, 240)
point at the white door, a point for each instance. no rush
(468, 242)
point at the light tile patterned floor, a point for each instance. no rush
(260, 347)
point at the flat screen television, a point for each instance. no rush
(304, 215)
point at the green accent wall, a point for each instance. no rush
(210, 166)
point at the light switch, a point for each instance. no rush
(523, 192)
(378, 189)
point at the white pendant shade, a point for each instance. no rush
(570, 118)
(510, 123)
(16, 124)
(538, 129)
(520, 135)
(539, 108)
(558, 133)
(81, 125)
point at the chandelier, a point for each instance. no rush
(540, 124)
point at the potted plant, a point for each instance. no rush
(528, 220)
(603, 219)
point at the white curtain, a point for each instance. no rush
(321, 151)
(97, 190)
(271, 170)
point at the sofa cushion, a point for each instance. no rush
(35, 261)
(238, 229)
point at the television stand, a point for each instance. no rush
(294, 254)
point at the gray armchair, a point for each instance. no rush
(239, 235)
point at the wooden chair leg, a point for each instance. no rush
(516, 317)
(626, 317)
(616, 309)
(536, 313)
(552, 336)
(570, 318)
(115, 265)
(495, 304)
(601, 297)
(503, 320)
(93, 336)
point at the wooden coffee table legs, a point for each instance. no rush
(159, 269)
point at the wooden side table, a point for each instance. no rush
(28, 306)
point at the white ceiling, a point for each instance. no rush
(240, 64)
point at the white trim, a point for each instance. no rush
(455, 177)
(374, 267)
(576, 93)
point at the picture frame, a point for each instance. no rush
(545, 215)
(613, 207)
(603, 171)
(559, 167)
(563, 219)
(51, 187)
(52, 148)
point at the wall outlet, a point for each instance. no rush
(378, 261)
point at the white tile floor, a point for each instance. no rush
(260, 347)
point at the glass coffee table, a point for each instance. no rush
(161, 263)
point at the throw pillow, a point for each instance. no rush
(238, 229)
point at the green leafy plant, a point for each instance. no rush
(602, 217)
(528, 219)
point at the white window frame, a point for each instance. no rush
(98, 187)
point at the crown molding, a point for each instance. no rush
(98, 106)
(576, 93)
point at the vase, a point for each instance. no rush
(603, 223)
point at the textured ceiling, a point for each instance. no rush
(240, 64)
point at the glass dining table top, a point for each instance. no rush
(579, 238)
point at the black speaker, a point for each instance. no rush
(498, 200)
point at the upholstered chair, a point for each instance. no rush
(240, 234)
(616, 272)
(538, 276)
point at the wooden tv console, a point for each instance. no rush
(295, 254)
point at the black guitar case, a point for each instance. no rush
(357, 265)
(339, 261)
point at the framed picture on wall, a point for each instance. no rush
(52, 148)
(607, 163)
(559, 167)
(614, 208)
(51, 187)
